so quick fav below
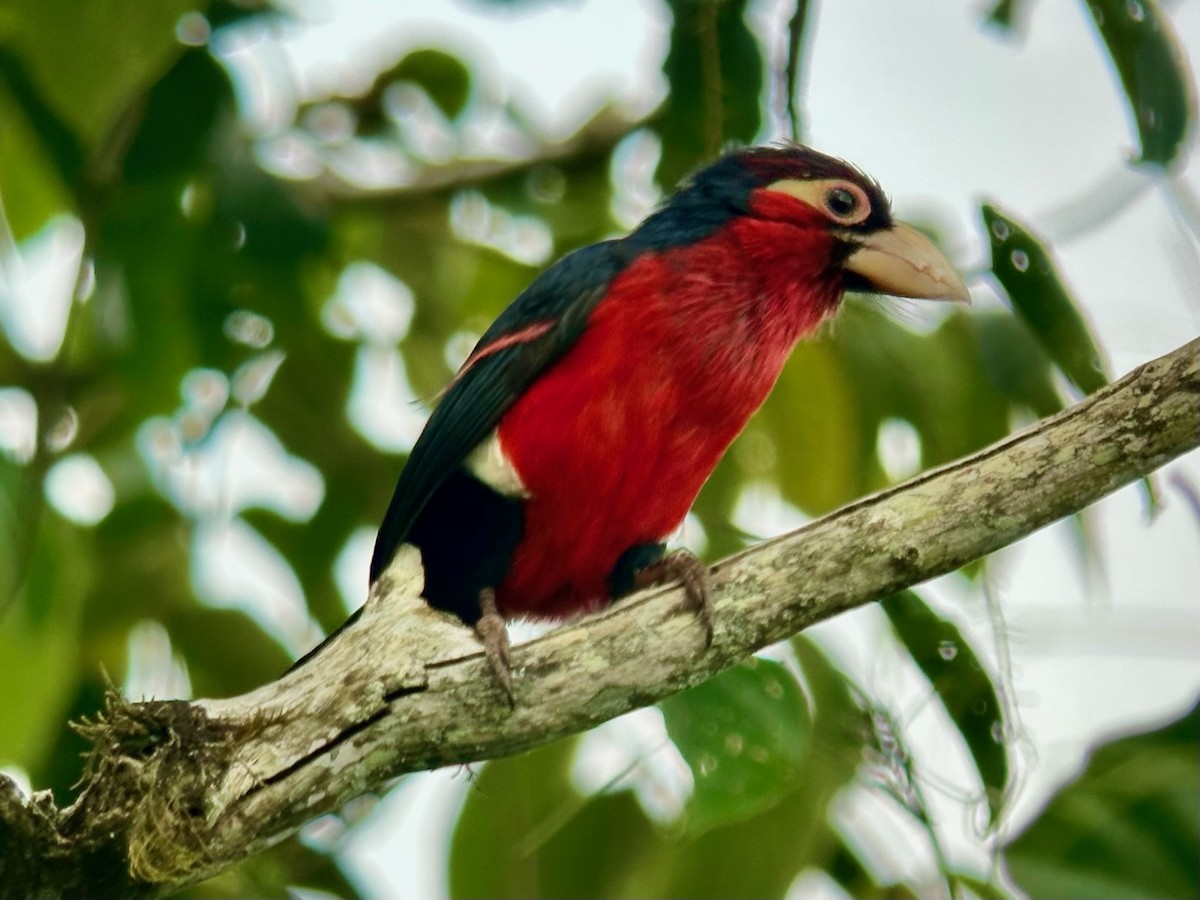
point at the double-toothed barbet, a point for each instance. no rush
(575, 437)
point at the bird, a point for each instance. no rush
(575, 437)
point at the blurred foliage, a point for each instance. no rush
(1128, 827)
(964, 688)
(718, 62)
(744, 735)
(1153, 73)
(526, 831)
(211, 300)
(1004, 13)
(1026, 271)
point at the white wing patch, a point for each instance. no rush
(490, 464)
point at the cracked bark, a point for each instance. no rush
(175, 791)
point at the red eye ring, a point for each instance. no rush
(846, 203)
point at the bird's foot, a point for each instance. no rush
(494, 636)
(684, 566)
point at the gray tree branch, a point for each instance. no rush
(175, 791)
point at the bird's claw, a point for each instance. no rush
(685, 567)
(493, 635)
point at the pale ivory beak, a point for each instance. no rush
(903, 262)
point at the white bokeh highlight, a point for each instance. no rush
(18, 424)
(38, 278)
(78, 489)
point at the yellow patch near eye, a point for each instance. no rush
(842, 201)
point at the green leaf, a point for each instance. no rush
(39, 643)
(593, 853)
(31, 185)
(21, 505)
(525, 832)
(761, 856)
(57, 142)
(757, 857)
(228, 653)
(1153, 71)
(1003, 14)
(966, 691)
(275, 874)
(1014, 363)
(143, 544)
(494, 851)
(798, 31)
(744, 734)
(856, 879)
(715, 70)
(812, 418)
(1025, 269)
(59, 767)
(1129, 826)
(976, 885)
(180, 115)
(934, 382)
(443, 77)
(92, 58)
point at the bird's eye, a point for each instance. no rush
(842, 202)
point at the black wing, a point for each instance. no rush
(561, 298)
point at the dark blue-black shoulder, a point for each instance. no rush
(703, 204)
(572, 279)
